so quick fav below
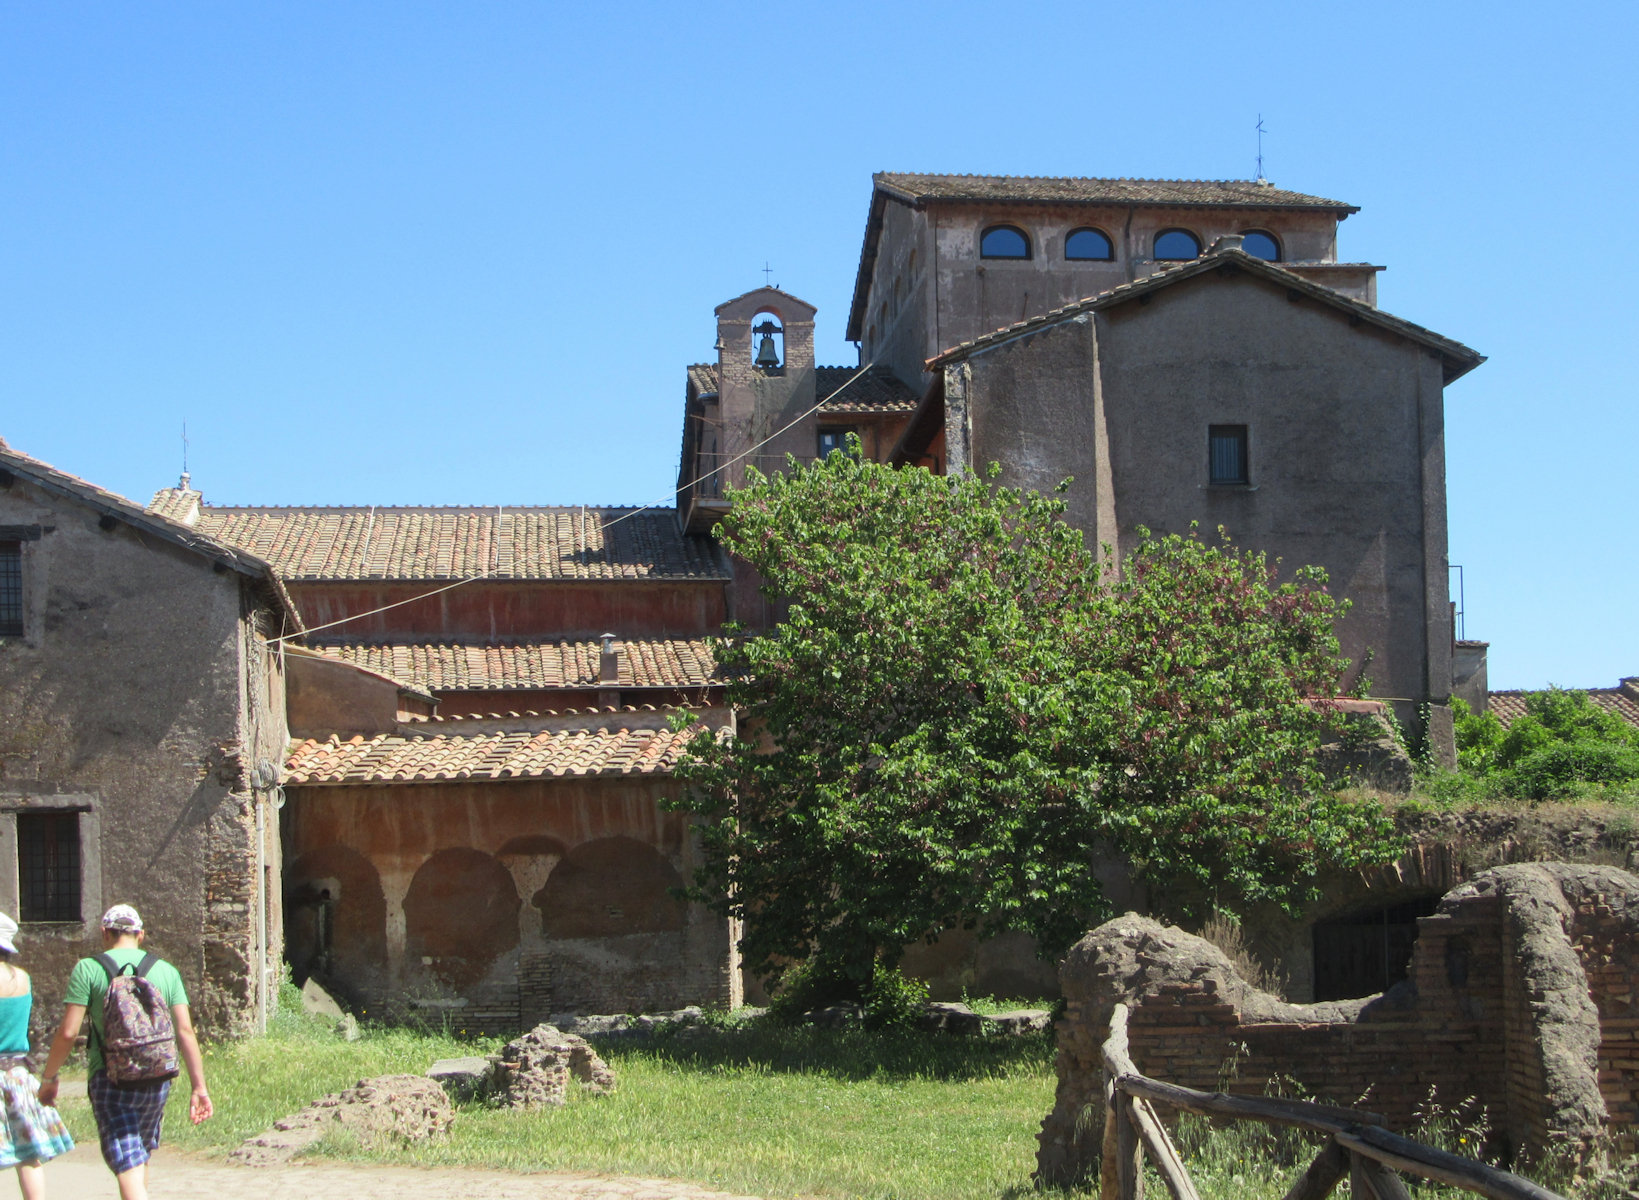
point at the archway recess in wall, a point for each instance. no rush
(460, 915)
(610, 887)
(335, 917)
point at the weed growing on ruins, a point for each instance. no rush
(1565, 748)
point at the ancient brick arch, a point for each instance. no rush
(461, 912)
(335, 917)
(609, 887)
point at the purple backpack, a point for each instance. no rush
(137, 1036)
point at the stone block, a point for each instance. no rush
(468, 1078)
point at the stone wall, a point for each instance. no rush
(139, 699)
(1519, 997)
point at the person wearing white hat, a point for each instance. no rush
(129, 1113)
(31, 1133)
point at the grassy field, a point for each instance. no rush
(770, 1111)
(757, 1109)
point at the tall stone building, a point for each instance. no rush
(1187, 351)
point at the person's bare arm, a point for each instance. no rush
(62, 1045)
(199, 1104)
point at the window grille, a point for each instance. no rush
(1227, 458)
(48, 866)
(11, 589)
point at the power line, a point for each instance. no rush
(604, 526)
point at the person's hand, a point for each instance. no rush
(48, 1090)
(199, 1106)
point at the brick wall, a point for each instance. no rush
(1520, 997)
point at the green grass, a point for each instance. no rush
(752, 1108)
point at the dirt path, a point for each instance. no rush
(80, 1175)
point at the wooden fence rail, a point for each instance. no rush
(1357, 1145)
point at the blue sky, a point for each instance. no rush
(439, 253)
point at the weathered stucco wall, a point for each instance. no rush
(502, 902)
(1346, 447)
(507, 609)
(140, 697)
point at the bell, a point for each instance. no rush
(767, 357)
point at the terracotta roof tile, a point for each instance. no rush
(458, 543)
(876, 391)
(1509, 706)
(391, 758)
(456, 667)
(1038, 189)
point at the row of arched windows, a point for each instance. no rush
(1094, 245)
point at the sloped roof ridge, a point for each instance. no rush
(1210, 262)
(476, 508)
(129, 510)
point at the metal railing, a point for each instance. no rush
(1357, 1145)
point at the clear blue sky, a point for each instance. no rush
(460, 253)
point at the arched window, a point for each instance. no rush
(1262, 245)
(1004, 241)
(1088, 245)
(1177, 245)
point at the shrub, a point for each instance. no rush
(1559, 769)
(896, 1001)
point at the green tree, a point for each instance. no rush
(1563, 742)
(960, 713)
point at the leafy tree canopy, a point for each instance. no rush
(961, 713)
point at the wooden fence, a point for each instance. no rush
(1357, 1144)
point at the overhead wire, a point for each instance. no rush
(604, 526)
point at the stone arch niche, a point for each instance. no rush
(460, 915)
(335, 919)
(608, 888)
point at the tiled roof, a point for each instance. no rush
(180, 504)
(916, 189)
(674, 663)
(1038, 189)
(876, 391)
(391, 758)
(1459, 358)
(460, 543)
(159, 524)
(1622, 701)
(703, 378)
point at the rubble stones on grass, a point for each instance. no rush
(534, 1070)
(469, 1078)
(402, 1108)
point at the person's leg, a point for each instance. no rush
(133, 1183)
(31, 1181)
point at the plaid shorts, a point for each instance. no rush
(128, 1119)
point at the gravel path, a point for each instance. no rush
(80, 1175)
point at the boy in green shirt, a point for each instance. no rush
(128, 1115)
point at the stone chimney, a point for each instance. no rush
(1229, 241)
(609, 673)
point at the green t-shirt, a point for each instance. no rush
(89, 984)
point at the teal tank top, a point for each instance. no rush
(14, 1012)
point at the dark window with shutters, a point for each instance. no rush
(48, 866)
(11, 589)
(1226, 454)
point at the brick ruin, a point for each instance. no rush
(1520, 996)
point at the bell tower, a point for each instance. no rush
(765, 374)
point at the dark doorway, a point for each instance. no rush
(1367, 952)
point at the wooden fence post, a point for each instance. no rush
(1129, 1157)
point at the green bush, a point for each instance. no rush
(1559, 769)
(810, 985)
(896, 1001)
(1564, 746)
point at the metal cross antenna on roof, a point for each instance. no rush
(768, 272)
(1260, 147)
(603, 527)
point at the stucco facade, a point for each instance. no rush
(142, 706)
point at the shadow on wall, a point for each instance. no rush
(336, 920)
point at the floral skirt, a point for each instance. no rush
(31, 1132)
